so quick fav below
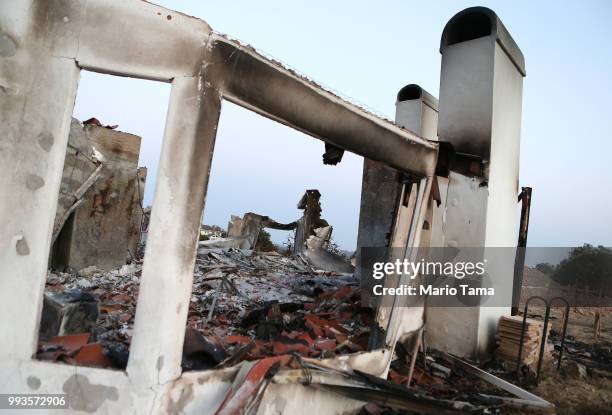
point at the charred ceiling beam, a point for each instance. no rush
(249, 79)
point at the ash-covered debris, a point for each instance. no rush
(70, 311)
(245, 305)
(277, 304)
(312, 240)
(114, 292)
(264, 308)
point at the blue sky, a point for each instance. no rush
(368, 51)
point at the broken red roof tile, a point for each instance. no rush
(279, 348)
(362, 340)
(305, 337)
(121, 298)
(111, 308)
(326, 344)
(237, 339)
(343, 292)
(71, 342)
(395, 377)
(335, 334)
(316, 330)
(92, 355)
(423, 378)
(240, 395)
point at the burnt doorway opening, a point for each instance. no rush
(107, 185)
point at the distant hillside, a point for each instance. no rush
(535, 278)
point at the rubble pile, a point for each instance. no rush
(245, 305)
(267, 311)
(115, 292)
(594, 357)
(255, 304)
(437, 375)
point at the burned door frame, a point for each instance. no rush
(48, 43)
(411, 211)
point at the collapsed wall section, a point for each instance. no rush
(99, 213)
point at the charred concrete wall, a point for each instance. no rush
(99, 213)
(246, 229)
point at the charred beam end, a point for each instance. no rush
(256, 83)
(519, 261)
(333, 155)
(271, 224)
(525, 197)
(310, 196)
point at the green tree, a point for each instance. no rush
(586, 265)
(264, 242)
